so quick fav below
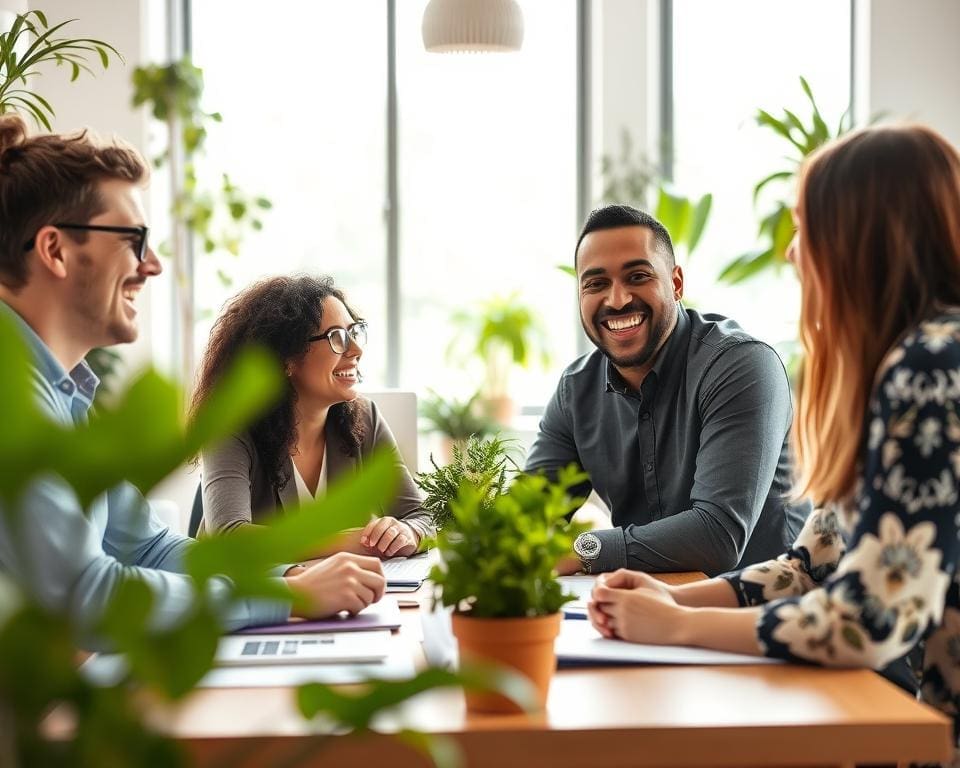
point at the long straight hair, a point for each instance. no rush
(879, 252)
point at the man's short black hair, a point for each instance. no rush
(615, 216)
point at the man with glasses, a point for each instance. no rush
(74, 257)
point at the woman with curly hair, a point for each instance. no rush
(320, 429)
(873, 574)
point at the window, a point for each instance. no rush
(486, 158)
(303, 124)
(487, 153)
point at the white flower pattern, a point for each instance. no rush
(898, 579)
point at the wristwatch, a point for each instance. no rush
(587, 548)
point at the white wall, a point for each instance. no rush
(910, 62)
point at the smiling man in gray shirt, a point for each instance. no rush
(680, 419)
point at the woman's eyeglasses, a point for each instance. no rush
(339, 338)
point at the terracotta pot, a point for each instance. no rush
(525, 644)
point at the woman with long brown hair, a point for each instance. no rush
(321, 428)
(872, 575)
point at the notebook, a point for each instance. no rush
(326, 648)
(382, 615)
(405, 574)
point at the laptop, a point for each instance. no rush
(322, 648)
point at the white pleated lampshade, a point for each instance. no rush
(472, 25)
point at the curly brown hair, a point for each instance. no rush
(280, 314)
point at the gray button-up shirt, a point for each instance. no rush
(695, 466)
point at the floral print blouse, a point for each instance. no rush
(864, 584)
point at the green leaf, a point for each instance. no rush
(244, 555)
(746, 266)
(701, 213)
(356, 709)
(777, 176)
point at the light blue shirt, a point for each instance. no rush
(72, 562)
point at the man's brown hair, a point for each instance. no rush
(49, 178)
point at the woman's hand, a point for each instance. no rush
(633, 606)
(341, 582)
(389, 537)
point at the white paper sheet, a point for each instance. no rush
(579, 642)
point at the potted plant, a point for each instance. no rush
(503, 332)
(483, 464)
(455, 420)
(498, 571)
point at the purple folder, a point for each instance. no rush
(382, 615)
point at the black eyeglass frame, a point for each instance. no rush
(142, 231)
(348, 332)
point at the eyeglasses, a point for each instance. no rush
(140, 245)
(339, 338)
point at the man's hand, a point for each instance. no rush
(342, 582)
(389, 537)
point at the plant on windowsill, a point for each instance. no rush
(485, 464)
(504, 333)
(456, 420)
(498, 572)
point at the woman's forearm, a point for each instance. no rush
(722, 629)
(716, 593)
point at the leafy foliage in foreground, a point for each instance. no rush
(142, 439)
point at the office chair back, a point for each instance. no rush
(399, 410)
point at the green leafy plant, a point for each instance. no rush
(219, 219)
(141, 439)
(776, 225)
(500, 555)
(456, 419)
(31, 43)
(502, 332)
(483, 464)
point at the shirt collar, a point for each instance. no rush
(80, 381)
(661, 366)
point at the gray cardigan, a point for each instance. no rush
(237, 491)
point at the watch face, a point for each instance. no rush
(587, 546)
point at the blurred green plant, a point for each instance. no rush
(141, 439)
(218, 219)
(456, 419)
(500, 555)
(776, 225)
(485, 464)
(503, 332)
(31, 43)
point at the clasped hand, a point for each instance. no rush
(633, 606)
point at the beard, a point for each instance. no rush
(658, 327)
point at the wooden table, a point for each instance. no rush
(670, 717)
